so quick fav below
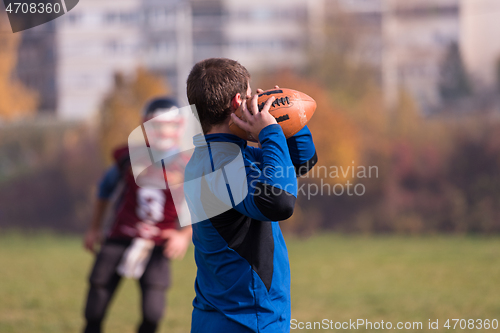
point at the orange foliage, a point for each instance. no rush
(15, 99)
(122, 108)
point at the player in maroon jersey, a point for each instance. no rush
(145, 234)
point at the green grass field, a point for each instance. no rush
(43, 282)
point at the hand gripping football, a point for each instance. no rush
(292, 110)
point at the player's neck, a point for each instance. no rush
(221, 128)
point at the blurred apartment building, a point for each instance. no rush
(72, 61)
(409, 42)
(262, 35)
(37, 62)
(480, 22)
(418, 34)
(405, 41)
(100, 37)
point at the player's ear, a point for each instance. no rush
(236, 101)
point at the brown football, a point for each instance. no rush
(292, 110)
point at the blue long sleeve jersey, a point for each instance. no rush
(243, 277)
(108, 183)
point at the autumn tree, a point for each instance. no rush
(454, 81)
(121, 109)
(15, 99)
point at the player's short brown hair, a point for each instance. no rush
(211, 86)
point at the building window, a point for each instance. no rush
(162, 47)
(261, 14)
(114, 46)
(111, 18)
(159, 15)
(74, 18)
(127, 18)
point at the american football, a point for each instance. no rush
(292, 110)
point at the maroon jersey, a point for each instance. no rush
(142, 212)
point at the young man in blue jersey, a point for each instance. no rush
(243, 277)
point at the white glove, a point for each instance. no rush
(135, 258)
